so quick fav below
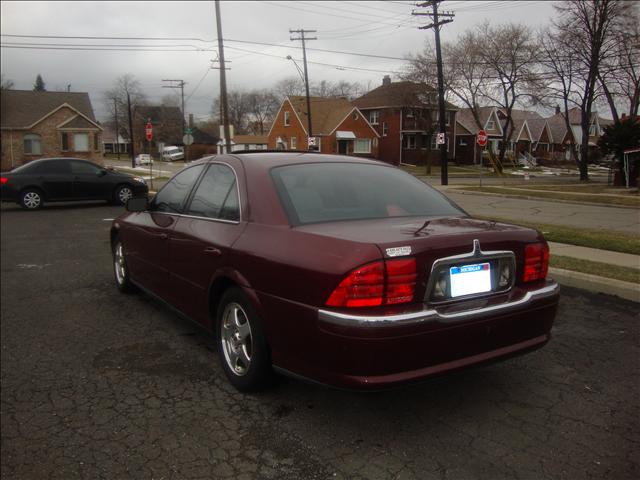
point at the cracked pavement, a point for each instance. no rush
(97, 384)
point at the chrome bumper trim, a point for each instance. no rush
(423, 316)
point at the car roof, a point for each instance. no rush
(265, 161)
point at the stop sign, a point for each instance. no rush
(148, 131)
(482, 138)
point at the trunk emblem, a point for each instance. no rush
(476, 248)
(398, 251)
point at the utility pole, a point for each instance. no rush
(131, 149)
(223, 83)
(115, 110)
(301, 32)
(436, 24)
(178, 84)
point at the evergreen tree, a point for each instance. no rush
(39, 85)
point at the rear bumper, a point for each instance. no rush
(432, 315)
(360, 351)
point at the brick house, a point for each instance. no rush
(337, 125)
(467, 150)
(47, 124)
(405, 116)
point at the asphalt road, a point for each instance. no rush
(97, 384)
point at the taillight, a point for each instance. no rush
(387, 282)
(536, 262)
(3, 180)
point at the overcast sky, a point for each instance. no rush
(384, 28)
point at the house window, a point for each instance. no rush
(96, 142)
(64, 141)
(362, 145)
(286, 119)
(385, 129)
(294, 143)
(434, 142)
(80, 142)
(409, 142)
(462, 142)
(491, 125)
(435, 117)
(409, 113)
(373, 117)
(32, 144)
(355, 115)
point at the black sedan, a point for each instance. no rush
(67, 179)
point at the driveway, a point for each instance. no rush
(98, 384)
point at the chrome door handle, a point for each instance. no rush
(213, 251)
(164, 236)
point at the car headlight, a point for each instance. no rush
(140, 179)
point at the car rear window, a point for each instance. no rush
(325, 192)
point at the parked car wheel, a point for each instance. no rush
(242, 345)
(31, 199)
(122, 194)
(120, 268)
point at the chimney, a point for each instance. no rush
(557, 109)
(386, 80)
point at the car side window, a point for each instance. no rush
(84, 168)
(216, 195)
(54, 167)
(172, 196)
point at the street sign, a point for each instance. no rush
(440, 140)
(187, 139)
(482, 138)
(148, 131)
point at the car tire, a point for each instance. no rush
(242, 344)
(122, 193)
(120, 268)
(31, 199)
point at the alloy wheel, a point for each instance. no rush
(236, 339)
(119, 264)
(31, 200)
(124, 194)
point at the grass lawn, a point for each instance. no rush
(602, 239)
(627, 200)
(626, 274)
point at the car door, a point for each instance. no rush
(55, 179)
(202, 239)
(146, 235)
(90, 181)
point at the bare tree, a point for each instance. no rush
(116, 99)
(263, 105)
(238, 110)
(619, 74)
(288, 87)
(560, 70)
(509, 53)
(591, 25)
(170, 100)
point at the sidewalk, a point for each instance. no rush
(595, 283)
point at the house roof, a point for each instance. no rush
(23, 108)
(401, 94)
(203, 138)
(326, 113)
(253, 139)
(526, 115)
(465, 118)
(536, 126)
(558, 127)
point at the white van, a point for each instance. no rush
(172, 153)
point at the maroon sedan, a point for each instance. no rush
(349, 272)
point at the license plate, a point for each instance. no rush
(470, 279)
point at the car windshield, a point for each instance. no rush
(325, 192)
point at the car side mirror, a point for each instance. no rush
(102, 172)
(139, 204)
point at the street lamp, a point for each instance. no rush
(289, 57)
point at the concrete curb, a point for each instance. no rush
(594, 283)
(538, 199)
